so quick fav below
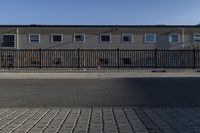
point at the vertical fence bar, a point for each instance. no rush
(197, 58)
(17, 58)
(0, 57)
(40, 54)
(194, 59)
(155, 58)
(118, 58)
(78, 54)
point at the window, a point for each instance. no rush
(105, 38)
(127, 38)
(174, 38)
(150, 38)
(80, 38)
(8, 41)
(56, 38)
(196, 38)
(34, 38)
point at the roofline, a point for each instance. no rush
(106, 26)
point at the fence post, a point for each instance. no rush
(156, 58)
(78, 58)
(197, 58)
(118, 59)
(194, 55)
(0, 56)
(40, 52)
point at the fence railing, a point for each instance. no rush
(115, 58)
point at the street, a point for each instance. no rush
(122, 92)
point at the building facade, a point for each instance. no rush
(99, 36)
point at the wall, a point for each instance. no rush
(92, 37)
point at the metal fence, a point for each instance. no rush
(115, 58)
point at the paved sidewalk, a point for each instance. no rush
(95, 75)
(100, 120)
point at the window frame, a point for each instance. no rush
(194, 37)
(52, 41)
(155, 38)
(3, 41)
(79, 41)
(126, 34)
(105, 41)
(170, 41)
(29, 40)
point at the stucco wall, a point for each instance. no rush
(93, 41)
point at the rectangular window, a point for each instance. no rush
(56, 38)
(196, 38)
(127, 38)
(34, 38)
(174, 38)
(150, 38)
(79, 38)
(105, 38)
(8, 41)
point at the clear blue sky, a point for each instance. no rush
(100, 12)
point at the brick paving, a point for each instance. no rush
(100, 120)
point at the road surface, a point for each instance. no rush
(124, 92)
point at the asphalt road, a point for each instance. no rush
(100, 92)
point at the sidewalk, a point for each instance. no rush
(100, 120)
(94, 75)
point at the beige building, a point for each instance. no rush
(99, 36)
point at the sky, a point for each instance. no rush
(100, 12)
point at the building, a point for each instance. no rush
(100, 36)
(93, 46)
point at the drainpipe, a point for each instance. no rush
(17, 38)
(183, 37)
